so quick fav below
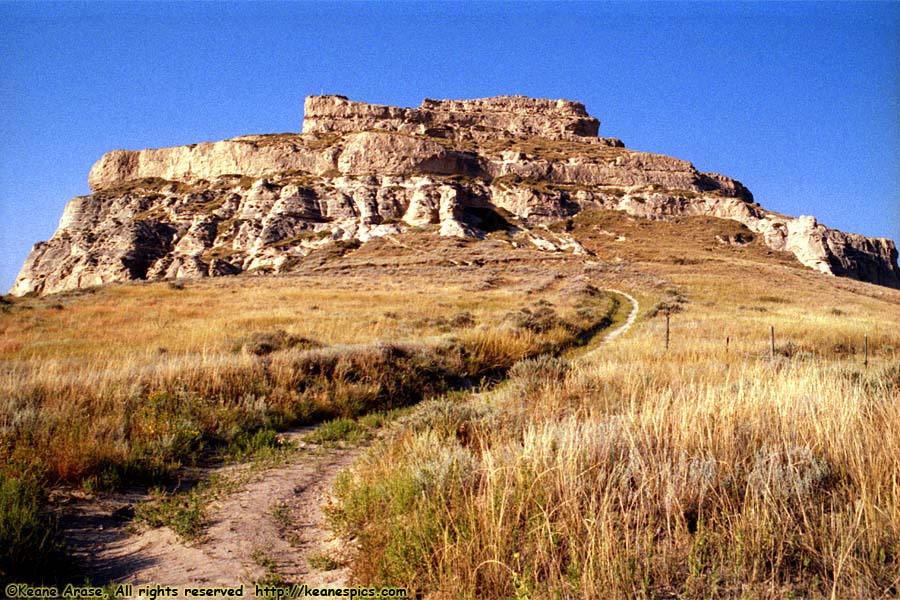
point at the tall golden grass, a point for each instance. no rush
(135, 381)
(704, 470)
(697, 472)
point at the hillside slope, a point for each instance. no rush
(705, 469)
(502, 166)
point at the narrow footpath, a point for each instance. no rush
(266, 531)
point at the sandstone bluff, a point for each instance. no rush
(465, 168)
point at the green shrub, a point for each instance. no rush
(462, 320)
(28, 543)
(673, 302)
(324, 562)
(540, 319)
(531, 374)
(183, 513)
(336, 430)
(448, 419)
(261, 343)
(261, 441)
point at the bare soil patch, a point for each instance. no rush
(266, 530)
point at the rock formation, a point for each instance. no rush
(358, 170)
(482, 119)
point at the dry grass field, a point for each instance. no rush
(129, 383)
(705, 470)
(80, 369)
(708, 470)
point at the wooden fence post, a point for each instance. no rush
(866, 351)
(772, 342)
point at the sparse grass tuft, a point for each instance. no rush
(271, 575)
(324, 562)
(336, 430)
(281, 514)
(263, 442)
(184, 513)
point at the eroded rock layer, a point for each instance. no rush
(481, 119)
(466, 168)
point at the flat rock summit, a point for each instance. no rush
(357, 171)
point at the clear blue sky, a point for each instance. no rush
(801, 102)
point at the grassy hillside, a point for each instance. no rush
(707, 469)
(132, 382)
(89, 377)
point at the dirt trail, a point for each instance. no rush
(269, 528)
(609, 337)
(632, 316)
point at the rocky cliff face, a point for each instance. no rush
(482, 119)
(359, 170)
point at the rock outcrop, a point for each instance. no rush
(357, 171)
(482, 119)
